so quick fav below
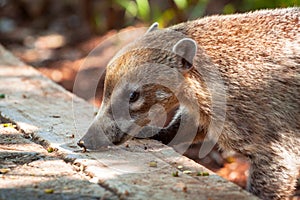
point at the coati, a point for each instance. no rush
(233, 78)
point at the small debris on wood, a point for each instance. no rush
(202, 174)
(7, 140)
(81, 144)
(4, 170)
(126, 193)
(50, 149)
(187, 172)
(55, 116)
(24, 96)
(152, 164)
(175, 174)
(8, 125)
(205, 174)
(48, 191)
(184, 189)
(181, 187)
(179, 167)
(70, 135)
(27, 136)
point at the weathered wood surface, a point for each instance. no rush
(48, 115)
(32, 173)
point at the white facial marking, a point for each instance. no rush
(161, 95)
(176, 116)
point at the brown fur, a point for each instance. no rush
(257, 56)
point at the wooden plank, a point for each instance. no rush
(49, 114)
(28, 171)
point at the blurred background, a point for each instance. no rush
(55, 36)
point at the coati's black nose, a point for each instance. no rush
(81, 144)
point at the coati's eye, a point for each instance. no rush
(134, 96)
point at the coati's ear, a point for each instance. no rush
(186, 48)
(153, 27)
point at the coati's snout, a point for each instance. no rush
(94, 138)
(103, 132)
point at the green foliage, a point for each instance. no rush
(248, 5)
(198, 10)
(175, 11)
(143, 8)
(229, 8)
(181, 4)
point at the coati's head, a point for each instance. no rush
(147, 89)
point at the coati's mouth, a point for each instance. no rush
(123, 137)
(164, 134)
(169, 129)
